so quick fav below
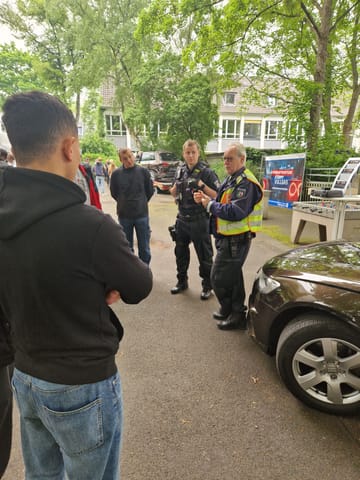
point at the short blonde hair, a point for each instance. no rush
(191, 143)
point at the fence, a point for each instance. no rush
(317, 178)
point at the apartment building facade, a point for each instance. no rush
(258, 127)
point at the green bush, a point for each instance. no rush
(93, 146)
(218, 166)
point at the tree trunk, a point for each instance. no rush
(349, 119)
(327, 97)
(77, 108)
(322, 32)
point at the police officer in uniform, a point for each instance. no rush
(236, 216)
(192, 222)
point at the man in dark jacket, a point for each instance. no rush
(131, 186)
(64, 263)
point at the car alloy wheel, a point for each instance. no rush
(318, 359)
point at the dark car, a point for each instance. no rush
(305, 309)
(162, 166)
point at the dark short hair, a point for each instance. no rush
(35, 122)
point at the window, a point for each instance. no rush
(252, 129)
(114, 125)
(229, 98)
(231, 128)
(272, 101)
(273, 129)
(294, 131)
(162, 128)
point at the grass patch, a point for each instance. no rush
(274, 231)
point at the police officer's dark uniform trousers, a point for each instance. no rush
(192, 225)
(236, 216)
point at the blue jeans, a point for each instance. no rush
(142, 229)
(69, 428)
(100, 183)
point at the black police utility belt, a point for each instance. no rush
(192, 217)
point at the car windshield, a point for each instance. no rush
(168, 157)
(147, 156)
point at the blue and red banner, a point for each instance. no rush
(284, 178)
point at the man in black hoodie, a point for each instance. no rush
(61, 262)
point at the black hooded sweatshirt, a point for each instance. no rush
(58, 259)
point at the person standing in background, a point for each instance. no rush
(111, 168)
(131, 186)
(85, 180)
(100, 173)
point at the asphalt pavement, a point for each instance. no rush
(202, 404)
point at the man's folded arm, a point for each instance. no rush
(117, 266)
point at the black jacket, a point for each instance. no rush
(132, 188)
(6, 349)
(58, 260)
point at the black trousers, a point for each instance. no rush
(5, 417)
(196, 231)
(227, 276)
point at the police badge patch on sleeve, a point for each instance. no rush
(240, 192)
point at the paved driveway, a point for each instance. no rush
(201, 404)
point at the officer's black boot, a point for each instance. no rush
(180, 287)
(233, 321)
(220, 314)
(206, 293)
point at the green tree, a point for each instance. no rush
(152, 88)
(18, 72)
(190, 113)
(92, 145)
(89, 112)
(50, 33)
(105, 35)
(288, 49)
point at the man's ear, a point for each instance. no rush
(67, 148)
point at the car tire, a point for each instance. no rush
(318, 359)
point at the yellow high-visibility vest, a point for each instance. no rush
(251, 223)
